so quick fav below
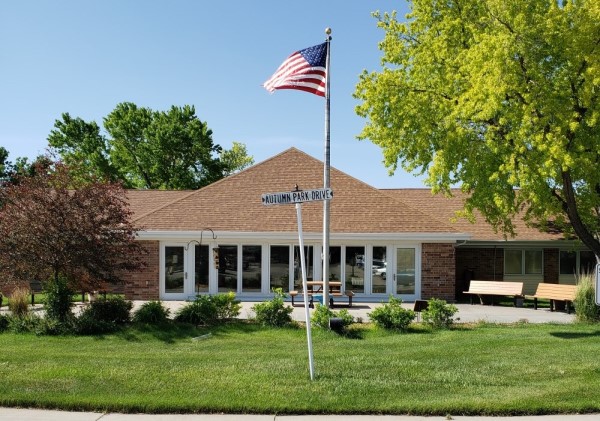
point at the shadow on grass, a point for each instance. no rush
(575, 335)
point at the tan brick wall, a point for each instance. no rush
(144, 284)
(438, 271)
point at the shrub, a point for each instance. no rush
(392, 315)
(209, 309)
(58, 300)
(152, 312)
(227, 306)
(586, 309)
(274, 312)
(19, 302)
(25, 323)
(87, 324)
(104, 315)
(3, 322)
(439, 314)
(322, 314)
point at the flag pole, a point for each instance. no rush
(326, 181)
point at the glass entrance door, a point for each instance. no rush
(405, 275)
(175, 271)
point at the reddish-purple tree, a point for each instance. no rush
(50, 228)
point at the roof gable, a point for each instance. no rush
(234, 203)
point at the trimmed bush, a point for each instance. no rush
(392, 315)
(209, 309)
(274, 312)
(439, 314)
(104, 315)
(58, 300)
(322, 314)
(227, 306)
(586, 309)
(151, 312)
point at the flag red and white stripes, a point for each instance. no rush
(305, 70)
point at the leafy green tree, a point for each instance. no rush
(236, 158)
(4, 163)
(145, 149)
(501, 96)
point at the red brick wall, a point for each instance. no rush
(144, 284)
(438, 278)
(551, 263)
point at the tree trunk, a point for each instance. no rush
(570, 207)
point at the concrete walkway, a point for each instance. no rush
(467, 313)
(12, 414)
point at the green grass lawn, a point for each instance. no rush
(244, 368)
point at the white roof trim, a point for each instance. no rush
(310, 236)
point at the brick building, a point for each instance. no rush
(402, 242)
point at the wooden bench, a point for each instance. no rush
(493, 288)
(349, 294)
(554, 292)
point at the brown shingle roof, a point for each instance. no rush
(142, 202)
(234, 203)
(445, 208)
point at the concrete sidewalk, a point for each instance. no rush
(13, 414)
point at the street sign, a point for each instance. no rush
(598, 284)
(299, 196)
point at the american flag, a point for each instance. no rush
(305, 70)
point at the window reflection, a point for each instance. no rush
(308, 256)
(227, 268)
(379, 269)
(251, 270)
(335, 263)
(355, 269)
(201, 269)
(405, 274)
(174, 273)
(280, 268)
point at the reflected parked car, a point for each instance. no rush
(380, 269)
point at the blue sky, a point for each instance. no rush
(85, 57)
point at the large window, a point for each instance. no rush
(379, 269)
(201, 269)
(335, 263)
(523, 262)
(355, 269)
(309, 261)
(251, 270)
(575, 262)
(280, 268)
(174, 269)
(227, 268)
(405, 270)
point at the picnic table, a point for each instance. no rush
(315, 289)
